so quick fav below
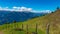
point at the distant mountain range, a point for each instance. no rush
(8, 16)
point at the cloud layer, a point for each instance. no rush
(20, 9)
(42, 11)
(16, 9)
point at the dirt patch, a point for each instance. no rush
(1, 32)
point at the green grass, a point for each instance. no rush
(11, 29)
(31, 24)
(53, 19)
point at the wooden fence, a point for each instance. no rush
(27, 28)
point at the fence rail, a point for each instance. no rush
(27, 28)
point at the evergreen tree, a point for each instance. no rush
(14, 21)
(58, 8)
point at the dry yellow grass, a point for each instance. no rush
(53, 19)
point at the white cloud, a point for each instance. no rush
(45, 11)
(25, 9)
(21, 9)
(16, 9)
(6, 8)
(41, 11)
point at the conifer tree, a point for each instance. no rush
(58, 8)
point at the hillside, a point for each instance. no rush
(53, 19)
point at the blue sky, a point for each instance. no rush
(35, 4)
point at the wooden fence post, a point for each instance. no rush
(22, 26)
(14, 24)
(36, 29)
(7, 26)
(48, 26)
(27, 28)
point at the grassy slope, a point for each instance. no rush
(53, 19)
